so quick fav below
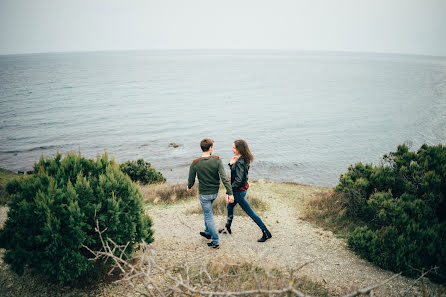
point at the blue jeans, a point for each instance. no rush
(240, 198)
(206, 202)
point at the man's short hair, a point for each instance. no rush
(206, 144)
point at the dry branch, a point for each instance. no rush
(141, 272)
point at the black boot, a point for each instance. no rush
(265, 236)
(225, 230)
(213, 245)
(207, 236)
(228, 228)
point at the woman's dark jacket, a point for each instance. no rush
(239, 173)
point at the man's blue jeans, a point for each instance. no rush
(240, 198)
(206, 202)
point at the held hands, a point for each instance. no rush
(229, 199)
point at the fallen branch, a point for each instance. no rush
(369, 290)
(198, 282)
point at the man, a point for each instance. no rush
(209, 170)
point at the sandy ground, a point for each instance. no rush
(294, 243)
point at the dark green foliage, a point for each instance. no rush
(142, 172)
(5, 177)
(403, 204)
(54, 212)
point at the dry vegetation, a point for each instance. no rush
(167, 193)
(219, 206)
(171, 193)
(328, 213)
(219, 277)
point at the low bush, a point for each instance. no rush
(5, 177)
(141, 171)
(54, 213)
(402, 203)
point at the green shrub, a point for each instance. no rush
(403, 205)
(54, 212)
(142, 172)
(5, 177)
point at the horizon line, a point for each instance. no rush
(224, 49)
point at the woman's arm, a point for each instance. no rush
(239, 175)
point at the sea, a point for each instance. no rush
(306, 115)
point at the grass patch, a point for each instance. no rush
(164, 194)
(237, 274)
(326, 211)
(288, 192)
(5, 177)
(219, 206)
(167, 193)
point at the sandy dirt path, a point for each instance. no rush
(294, 243)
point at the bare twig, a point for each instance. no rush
(370, 289)
(144, 267)
(423, 274)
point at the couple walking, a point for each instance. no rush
(209, 170)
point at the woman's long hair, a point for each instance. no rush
(243, 149)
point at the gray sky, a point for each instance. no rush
(395, 26)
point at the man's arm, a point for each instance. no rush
(192, 174)
(224, 178)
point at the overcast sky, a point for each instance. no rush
(395, 26)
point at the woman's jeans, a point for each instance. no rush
(206, 202)
(240, 198)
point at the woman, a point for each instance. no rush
(239, 181)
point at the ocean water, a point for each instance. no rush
(306, 115)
